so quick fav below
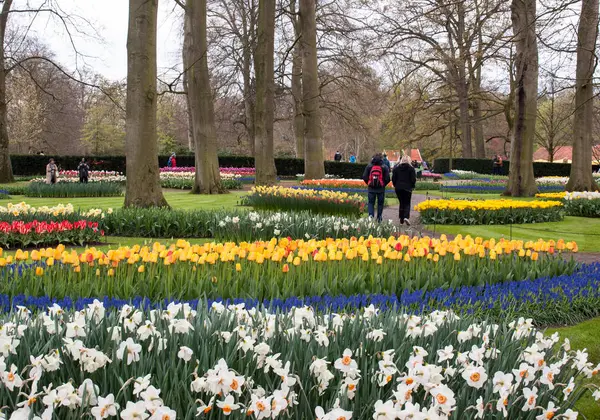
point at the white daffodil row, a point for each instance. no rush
(230, 361)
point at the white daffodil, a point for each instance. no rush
(475, 376)
(228, 405)
(106, 407)
(134, 411)
(185, 353)
(130, 350)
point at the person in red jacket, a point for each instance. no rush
(172, 163)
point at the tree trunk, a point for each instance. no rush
(208, 177)
(521, 182)
(297, 84)
(187, 39)
(265, 94)
(477, 115)
(248, 28)
(143, 177)
(581, 168)
(314, 164)
(465, 118)
(6, 174)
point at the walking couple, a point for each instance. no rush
(377, 177)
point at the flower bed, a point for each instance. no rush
(227, 170)
(582, 204)
(489, 212)
(21, 210)
(181, 363)
(222, 225)
(490, 187)
(294, 199)
(560, 300)
(74, 189)
(25, 234)
(185, 180)
(279, 269)
(459, 174)
(358, 186)
(93, 177)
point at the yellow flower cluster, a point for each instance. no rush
(296, 251)
(23, 208)
(305, 193)
(462, 205)
(552, 196)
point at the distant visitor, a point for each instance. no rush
(386, 162)
(51, 172)
(338, 156)
(172, 162)
(84, 171)
(352, 158)
(497, 165)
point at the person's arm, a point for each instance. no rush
(366, 175)
(413, 178)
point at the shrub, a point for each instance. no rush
(295, 199)
(71, 190)
(279, 268)
(183, 361)
(25, 234)
(489, 212)
(484, 166)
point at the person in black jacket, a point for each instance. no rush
(376, 176)
(84, 171)
(404, 179)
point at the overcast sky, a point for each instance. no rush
(106, 51)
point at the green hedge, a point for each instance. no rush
(30, 165)
(484, 166)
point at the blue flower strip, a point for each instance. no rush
(580, 290)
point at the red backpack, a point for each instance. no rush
(376, 177)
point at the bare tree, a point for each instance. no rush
(265, 94)
(521, 181)
(200, 99)
(314, 165)
(581, 167)
(554, 120)
(6, 174)
(143, 178)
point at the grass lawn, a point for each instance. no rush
(177, 199)
(585, 231)
(584, 336)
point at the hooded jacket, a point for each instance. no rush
(404, 177)
(384, 169)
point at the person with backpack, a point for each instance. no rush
(84, 171)
(497, 165)
(376, 176)
(404, 178)
(338, 156)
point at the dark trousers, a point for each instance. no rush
(380, 198)
(83, 179)
(497, 170)
(404, 197)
